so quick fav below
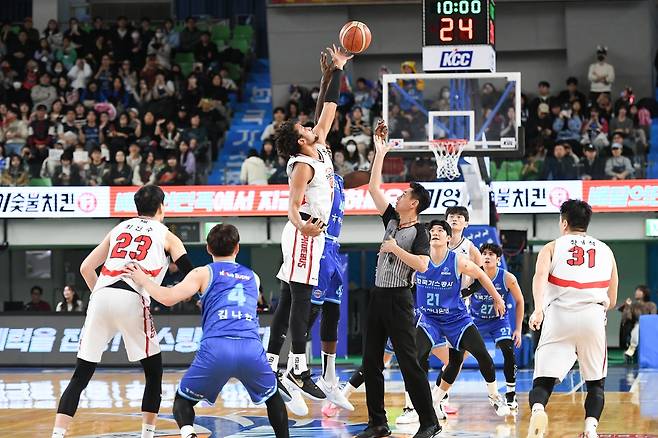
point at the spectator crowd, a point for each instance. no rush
(114, 103)
(568, 134)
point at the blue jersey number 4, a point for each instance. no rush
(237, 295)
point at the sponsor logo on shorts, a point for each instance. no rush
(303, 252)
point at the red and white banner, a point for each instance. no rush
(622, 196)
(214, 201)
(45, 202)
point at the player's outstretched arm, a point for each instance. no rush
(381, 149)
(302, 173)
(514, 288)
(327, 68)
(195, 281)
(93, 261)
(340, 58)
(614, 284)
(467, 267)
(539, 282)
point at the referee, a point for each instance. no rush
(405, 249)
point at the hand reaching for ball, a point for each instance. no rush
(339, 56)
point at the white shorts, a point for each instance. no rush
(301, 256)
(570, 335)
(117, 310)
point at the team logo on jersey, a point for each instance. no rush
(446, 271)
(303, 251)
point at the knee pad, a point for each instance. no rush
(183, 410)
(595, 398)
(454, 365)
(329, 325)
(153, 389)
(68, 403)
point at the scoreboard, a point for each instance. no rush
(459, 35)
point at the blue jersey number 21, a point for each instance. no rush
(433, 300)
(237, 295)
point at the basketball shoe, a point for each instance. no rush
(510, 397)
(409, 416)
(538, 423)
(500, 405)
(334, 394)
(303, 382)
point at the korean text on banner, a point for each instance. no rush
(54, 202)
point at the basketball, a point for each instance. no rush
(355, 37)
(355, 179)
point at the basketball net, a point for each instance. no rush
(446, 153)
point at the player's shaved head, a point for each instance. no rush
(148, 200)
(222, 240)
(577, 214)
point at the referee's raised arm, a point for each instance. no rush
(374, 186)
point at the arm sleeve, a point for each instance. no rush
(421, 245)
(388, 215)
(184, 264)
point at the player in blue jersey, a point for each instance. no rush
(230, 346)
(443, 313)
(494, 327)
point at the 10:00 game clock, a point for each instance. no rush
(458, 22)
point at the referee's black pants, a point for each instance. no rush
(391, 314)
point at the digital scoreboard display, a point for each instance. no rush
(458, 22)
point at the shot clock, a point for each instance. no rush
(467, 27)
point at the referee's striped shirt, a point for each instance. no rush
(391, 271)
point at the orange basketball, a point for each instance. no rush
(355, 37)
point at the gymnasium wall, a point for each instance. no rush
(541, 39)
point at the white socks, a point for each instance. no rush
(329, 368)
(591, 424)
(58, 432)
(186, 431)
(537, 407)
(148, 430)
(298, 363)
(511, 387)
(273, 360)
(438, 394)
(492, 389)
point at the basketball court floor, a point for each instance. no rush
(110, 407)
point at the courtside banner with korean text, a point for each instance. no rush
(622, 196)
(52, 339)
(216, 201)
(45, 202)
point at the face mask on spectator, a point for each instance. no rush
(351, 148)
(58, 70)
(315, 95)
(17, 85)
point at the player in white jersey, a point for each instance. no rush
(311, 180)
(575, 284)
(457, 217)
(117, 304)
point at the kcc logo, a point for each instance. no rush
(457, 58)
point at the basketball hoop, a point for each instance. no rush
(447, 152)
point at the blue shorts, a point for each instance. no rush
(454, 329)
(330, 281)
(495, 329)
(219, 359)
(432, 329)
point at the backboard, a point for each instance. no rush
(482, 108)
